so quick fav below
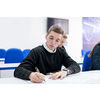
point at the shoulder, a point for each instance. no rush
(61, 50)
(37, 49)
(97, 49)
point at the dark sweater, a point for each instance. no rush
(95, 59)
(46, 62)
(63, 48)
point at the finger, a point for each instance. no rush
(62, 76)
(38, 80)
(51, 75)
(35, 79)
(40, 76)
(57, 76)
(43, 76)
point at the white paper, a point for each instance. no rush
(89, 77)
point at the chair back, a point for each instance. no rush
(2, 53)
(86, 62)
(25, 52)
(83, 52)
(14, 55)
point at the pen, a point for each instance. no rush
(37, 70)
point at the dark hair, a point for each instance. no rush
(91, 53)
(56, 29)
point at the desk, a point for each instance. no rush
(8, 66)
(12, 81)
(80, 62)
(89, 77)
(6, 70)
(2, 60)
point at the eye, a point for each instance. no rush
(57, 40)
(62, 41)
(51, 38)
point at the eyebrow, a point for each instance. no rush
(53, 37)
(58, 39)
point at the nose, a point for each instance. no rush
(53, 41)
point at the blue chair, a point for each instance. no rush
(25, 52)
(2, 53)
(86, 62)
(83, 52)
(14, 55)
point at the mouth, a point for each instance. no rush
(51, 46)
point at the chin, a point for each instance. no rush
(52, 49)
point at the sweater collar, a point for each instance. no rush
(45, 46)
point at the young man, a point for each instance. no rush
(47, 58)
(63, 40)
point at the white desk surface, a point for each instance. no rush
(88, 77)
(12, 81)
(9, 65)
(2, 58)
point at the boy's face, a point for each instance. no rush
(62, 42)
(53, 40)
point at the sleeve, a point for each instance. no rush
(63, 48)
(69, 63)
(26, 66)
(96, 58)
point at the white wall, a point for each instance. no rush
(29, 32)
(74, 41)
(22, 32)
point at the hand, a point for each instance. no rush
(57, 75)
(36, 77)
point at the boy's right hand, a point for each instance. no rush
(36, 77)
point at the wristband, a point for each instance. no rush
(65, 69)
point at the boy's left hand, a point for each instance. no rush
(57, 75)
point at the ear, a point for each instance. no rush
(46, 36)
